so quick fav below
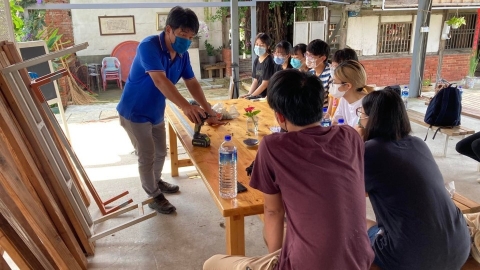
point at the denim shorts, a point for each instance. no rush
(372, 234)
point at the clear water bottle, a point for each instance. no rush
(405, 94)
(341, 121)
(460, 89)
(326, 120)
(227, 172)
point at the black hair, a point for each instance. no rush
(300, 47)
(319, 47)
(284, 45)
(183, 18)
(387, 116)
(344, 54)
(296, 95)
(265, 39)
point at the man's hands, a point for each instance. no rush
(194, 113)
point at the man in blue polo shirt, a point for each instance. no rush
(161, 60)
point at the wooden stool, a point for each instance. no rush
(211, 67)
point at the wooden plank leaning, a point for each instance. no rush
(21, 210)
(27, 164)
(16, 248)
(64, 145)
(50, 165)
(16, 58)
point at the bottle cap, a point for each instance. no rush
(341, 121)
(228, 138)
(325, 109)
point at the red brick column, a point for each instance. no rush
(62, 20)
(390, 71)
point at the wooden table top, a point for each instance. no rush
(206, 159)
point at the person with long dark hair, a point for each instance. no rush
(417, 224)
(282, 55)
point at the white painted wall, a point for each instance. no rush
(435, 30)
(362, 34)
(86, 27)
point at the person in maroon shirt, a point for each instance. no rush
(313, 175)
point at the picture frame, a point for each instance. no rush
(161, 20)
(116, 25)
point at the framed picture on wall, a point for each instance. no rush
(161, 20)
(116, 25)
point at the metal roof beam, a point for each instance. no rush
(65, 6)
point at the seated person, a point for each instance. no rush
(314, 175)
(316, 59)
(470, 147)
(338, 57)
(349, 85)
(282, 55)
(418, 225)
(263, 67)
(298, 57)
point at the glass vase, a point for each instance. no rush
(252, 125)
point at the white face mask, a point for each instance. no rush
(311, 63)
(334, 90)
(332, 71)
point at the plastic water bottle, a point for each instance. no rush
(405, 94)
(341, 122)
(326, 120)
(227, 164)
(460, 89)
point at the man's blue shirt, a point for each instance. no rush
(141, 100)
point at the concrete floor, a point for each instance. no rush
(196, 232)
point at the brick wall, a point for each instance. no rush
(62, 20)
(245, 65)
(389, 71)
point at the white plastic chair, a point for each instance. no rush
(111, 70)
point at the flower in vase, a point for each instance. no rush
(249, 111)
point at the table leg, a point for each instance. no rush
(445, 146)
(173, 150)
(221, 73)
(235, 235)
(210, 75)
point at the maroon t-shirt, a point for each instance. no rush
(319, 173)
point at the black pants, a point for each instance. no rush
(470, 146)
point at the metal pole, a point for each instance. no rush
(440, 52)
(253, 24)
(419, 47)
(235, 40)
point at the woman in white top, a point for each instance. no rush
(349, 84)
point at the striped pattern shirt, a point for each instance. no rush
(326, 79)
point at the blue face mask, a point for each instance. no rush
(181, 44)
(259, 50)
(279, 60)
(295, 62)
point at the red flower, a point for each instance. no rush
(249, 109)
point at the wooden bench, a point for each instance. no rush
(212, 67)
(418, 118)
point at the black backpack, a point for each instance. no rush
(444, 109)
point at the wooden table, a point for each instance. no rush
(206, 161)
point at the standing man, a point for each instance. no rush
(160, 62)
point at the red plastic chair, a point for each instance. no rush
(111, 71)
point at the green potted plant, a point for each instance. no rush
(427, 85)
(211, 52)
(470, 79)
(455, 22)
